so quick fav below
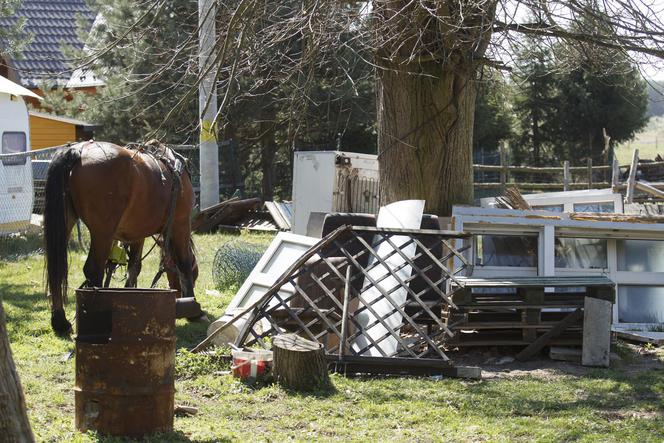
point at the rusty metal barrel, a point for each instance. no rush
(125, 360)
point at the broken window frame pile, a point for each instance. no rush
(347, 258)
(615, 229)
(534, 312)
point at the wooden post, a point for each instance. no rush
(14, 424)
(566, 175)
(590, 173)
(596, 332)
(503, 164)
(299, 363)
(632, 176)
(615, 176)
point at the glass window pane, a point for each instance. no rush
(640, 255)
(594, 207)
(551, 208)
(581, 253)
(506, 250)
(640, 304)
(13, 143)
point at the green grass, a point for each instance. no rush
(604, 405)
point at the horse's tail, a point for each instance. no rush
(55, 223)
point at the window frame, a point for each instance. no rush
(13, 158)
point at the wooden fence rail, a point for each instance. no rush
(564, 171)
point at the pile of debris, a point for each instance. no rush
(244, 214)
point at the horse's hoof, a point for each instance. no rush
(59, 323)
(200, 318)
(187, 307)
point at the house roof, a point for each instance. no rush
(52, 24)
(59, 118)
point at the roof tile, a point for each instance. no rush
(52, 24)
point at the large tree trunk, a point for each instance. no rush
(425, 135)
(426, 98)
(14, 424)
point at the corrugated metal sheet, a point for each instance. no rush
(282, 213)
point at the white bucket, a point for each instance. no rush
(231, 333)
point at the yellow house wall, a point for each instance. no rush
(45, 133)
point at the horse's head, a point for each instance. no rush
(170, 264)
(172, 275)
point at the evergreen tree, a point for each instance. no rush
(493, 120)
(534, 104)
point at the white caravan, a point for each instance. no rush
(15, 170)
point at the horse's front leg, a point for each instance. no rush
(134, 263)
(100, 248)
(182, 252)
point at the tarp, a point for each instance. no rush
(9, 87)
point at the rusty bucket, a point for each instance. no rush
(125, 360)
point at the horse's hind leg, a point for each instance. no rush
(100, 248)
(134, 263)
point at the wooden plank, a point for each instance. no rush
(656, 338)
(531, 318)
(590, 173)
(470, 325)
(503, 166)
(565, 354)
(632, 176)
(351, 365)
(543, 340)
(646, 187)
(515, 282)
(596, 332)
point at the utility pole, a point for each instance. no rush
(207, 105)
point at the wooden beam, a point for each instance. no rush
(615, 175)
(552, 333)
(646, 187)
(503, 166)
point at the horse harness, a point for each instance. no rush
(176, 164)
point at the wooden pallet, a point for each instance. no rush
(537, 311)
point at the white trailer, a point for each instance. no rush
(16, 192)
(333, 181)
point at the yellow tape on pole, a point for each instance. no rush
(208, 131)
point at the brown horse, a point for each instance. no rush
(120, 194)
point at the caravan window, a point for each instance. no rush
(14, 143)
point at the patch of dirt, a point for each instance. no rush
(500, 362)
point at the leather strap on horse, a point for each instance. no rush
(176, 166)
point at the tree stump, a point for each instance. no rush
(14, 425)
(298, 363)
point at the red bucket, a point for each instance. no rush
(253, 364)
